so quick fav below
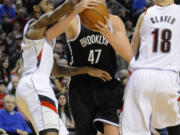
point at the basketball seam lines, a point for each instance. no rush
(89, 21)
(99, 14)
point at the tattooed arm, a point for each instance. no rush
(63, 24)
(38, 28)
(62, 71)
(57, 14)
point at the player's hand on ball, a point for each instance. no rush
(87, 4)
(101, 27)
(98, 73)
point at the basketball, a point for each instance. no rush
(90, 17)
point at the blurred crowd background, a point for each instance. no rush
(13, 17)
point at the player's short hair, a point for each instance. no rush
(30, 4)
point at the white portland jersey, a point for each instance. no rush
(37, 58)
(160, 39)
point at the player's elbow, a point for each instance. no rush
(54, 71)
(58, 72)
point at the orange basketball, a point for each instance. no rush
(90, 17)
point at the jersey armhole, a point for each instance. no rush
(146, 11)
(110, 26)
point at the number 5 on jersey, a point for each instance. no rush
(94, 56)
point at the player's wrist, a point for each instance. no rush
(84, 70)
(106, 34)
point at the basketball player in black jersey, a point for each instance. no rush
(93, 102)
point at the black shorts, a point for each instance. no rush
(94, 103)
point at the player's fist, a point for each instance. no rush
(87, 4)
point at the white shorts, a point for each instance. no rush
(40, 106)
(151, 97)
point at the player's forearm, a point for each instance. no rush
(62, 11)
(120, 45)
(59, 27)
(63, 71)
(135, 43)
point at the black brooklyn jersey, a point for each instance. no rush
(92, 49)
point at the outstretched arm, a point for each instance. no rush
(62, 71)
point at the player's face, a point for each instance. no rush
(45, 6)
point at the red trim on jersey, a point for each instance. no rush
(179, 99)
(39, 56)
(162, 40)
(49, 105)
(146, 11)
(158, 5)
(121, 109)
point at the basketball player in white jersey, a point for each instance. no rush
(35, 96)
(153, 90)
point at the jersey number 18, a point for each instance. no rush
(165, 43)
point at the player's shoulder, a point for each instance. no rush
(149, 10)
(142, 15)
(116, 20)
(177, 7)
(114, 17)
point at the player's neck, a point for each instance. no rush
(164, 3)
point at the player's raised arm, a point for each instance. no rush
(60, 27)
(53, 16)
(38, 27)
(136, 37)
(118, 38)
